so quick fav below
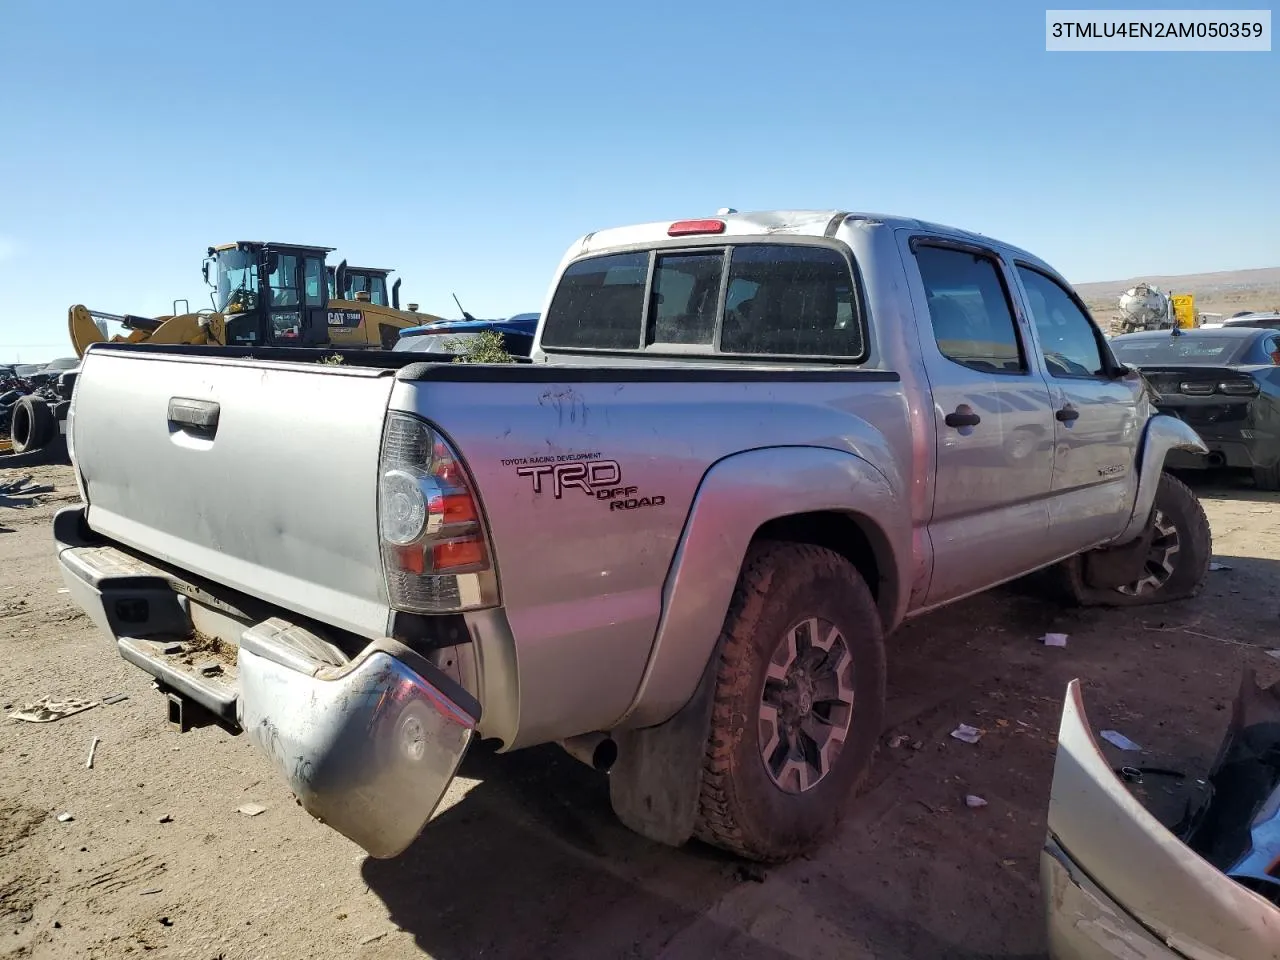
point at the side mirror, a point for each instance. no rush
(204, 268)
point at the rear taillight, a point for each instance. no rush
(1236, 387)
(435, 550)
(1196, 388)
(1244, 387)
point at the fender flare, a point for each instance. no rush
(1162, 434)
(736, 496)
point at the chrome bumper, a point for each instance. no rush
(369, 745)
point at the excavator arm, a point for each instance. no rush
(193, 328)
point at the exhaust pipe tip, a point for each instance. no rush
(1216, 459)
(599, 751)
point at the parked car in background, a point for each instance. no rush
(1225, 383)
(1269, 320)
(449, 336)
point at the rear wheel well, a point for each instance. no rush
(855, 538)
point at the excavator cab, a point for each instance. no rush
(274, 294)
(348, 283)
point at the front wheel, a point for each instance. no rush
(799, 703)
(1176, 546)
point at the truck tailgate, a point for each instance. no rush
(260, 475)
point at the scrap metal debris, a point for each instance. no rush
(1119, 740)
(967, 733)
(47, 710)
(114, 698)
(9, 492)
(93, 748)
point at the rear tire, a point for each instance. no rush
(1177, 560)
(1267, 478)
(798, 704)
(33, 424)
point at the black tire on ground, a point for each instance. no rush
(742, 807)
(1267, 478)
(1179, 509)
(33, 425)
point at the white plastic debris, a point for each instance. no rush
(252, 809)
(1054, 639)
(1219, 566)
(65, 818)
(967, 733)
(974, 802)
(1119, 740)
(1274, 653)
(47, 710)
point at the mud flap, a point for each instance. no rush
(654, 785)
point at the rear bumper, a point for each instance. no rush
(369, 743)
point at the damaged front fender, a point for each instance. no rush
(1163, 433)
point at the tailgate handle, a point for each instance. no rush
(200, 416)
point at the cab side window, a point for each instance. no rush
(970, 310)
(1069, 340)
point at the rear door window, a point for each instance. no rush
(969, 309)
(599, 304)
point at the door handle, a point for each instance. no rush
(962, 419)
(1067, 414)
(196, 416)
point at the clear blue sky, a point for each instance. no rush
(466, 145)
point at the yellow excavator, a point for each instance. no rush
(269, 294)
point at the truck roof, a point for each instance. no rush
(815, 223)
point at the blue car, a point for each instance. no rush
(442, 335)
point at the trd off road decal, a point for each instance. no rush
(582, 473)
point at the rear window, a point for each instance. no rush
(1185, 349)
(751, 299)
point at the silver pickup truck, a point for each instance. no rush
(742, 452)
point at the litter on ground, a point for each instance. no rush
(1054, 639)
(1118, 740)
(967, 733)
(47, 710)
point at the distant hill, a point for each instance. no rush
(1225, 292)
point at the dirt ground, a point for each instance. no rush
(528, 861)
